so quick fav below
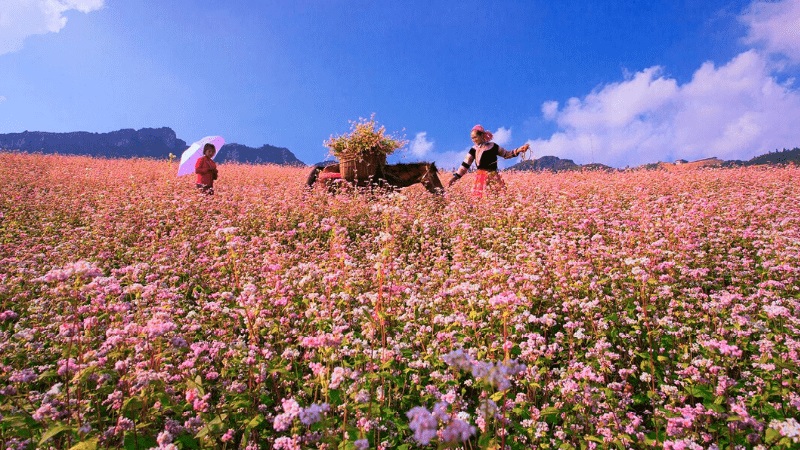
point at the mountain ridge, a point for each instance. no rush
(156, 143)
(556, 164)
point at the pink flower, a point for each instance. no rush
(67, 366)
(290, 407)
(164, 438)
(80, 269)
(313, 414)
(191, 395)
(228, 436)
(8, 316)
(507, 298)
(286, 443)
(457, 431)
(789, 428)
(337, 376)
(282, 422)
(26, 375)
(423, 424)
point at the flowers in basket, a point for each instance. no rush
(366, 140)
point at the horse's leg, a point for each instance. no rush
(312, 177)
(330, 186)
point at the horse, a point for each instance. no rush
(393, 176)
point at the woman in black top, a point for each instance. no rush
(484, 153)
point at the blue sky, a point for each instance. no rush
(615, 82)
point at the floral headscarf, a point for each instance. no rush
(488, 135)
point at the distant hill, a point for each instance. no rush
(779, 157)
(546, 163)
(682, 164)
(128, 143)
(598, 167)
(266, 154)
(556, 164)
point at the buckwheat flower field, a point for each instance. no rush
(642, 309)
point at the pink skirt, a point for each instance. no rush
(484, 178)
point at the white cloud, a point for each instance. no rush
(549, 109)
(2, 98)
(775, 26)
(22, 18)
(421, 146)
(502, 136)
(735, 111)
(449, 161)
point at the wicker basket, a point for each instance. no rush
(362, 167)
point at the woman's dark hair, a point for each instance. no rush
(479, 132)
(206, 147)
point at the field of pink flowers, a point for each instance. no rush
(576, 310)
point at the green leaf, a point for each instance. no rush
(239, 403)
(138, 442)
(203, 432)
(550, 411)
(81, 375)
(771, 436)
(165, 399)
(218, 420)
(48, 374)
(498, 395)
(254, 422)
(521, 412)
(485, 440)
(594, 439)
(214, 425)
(187, 441)
(90, 444)
(703, 392)
(336, 396)
(346, 445)
(197, 383)
(132, 407)
(20, 424)
(54, 431)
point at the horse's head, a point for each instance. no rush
(430, 179)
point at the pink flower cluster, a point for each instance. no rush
(497, 375)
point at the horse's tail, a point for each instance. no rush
(313, 176)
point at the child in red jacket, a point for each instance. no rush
(206, 170)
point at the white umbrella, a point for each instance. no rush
(195, 151)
